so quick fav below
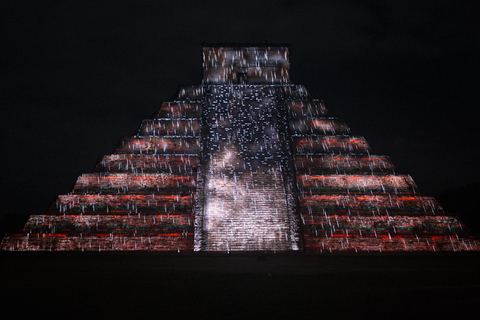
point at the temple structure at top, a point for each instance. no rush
(246, 65)
(246, 161)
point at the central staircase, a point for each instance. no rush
(248, 202)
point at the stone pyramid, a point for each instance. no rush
(246, 161)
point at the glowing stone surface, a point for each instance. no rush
(246, 161)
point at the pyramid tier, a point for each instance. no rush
(179, 203)
(104, 233)
(190, 94)
(326, 126)
(101, 225)
(319, 164)
(355, 183)
(311, 108)
(179, 109)
(175, 164)
(296, 93)
(167, 243)
(159, 145)
(316, 144)
(139, 183)
(370, 204)
(389, 243)
(331, 225)
(170, 127)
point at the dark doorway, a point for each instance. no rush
(242, 77)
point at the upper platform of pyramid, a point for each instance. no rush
(241, 63)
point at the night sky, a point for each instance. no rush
(77, 76)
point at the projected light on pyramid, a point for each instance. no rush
(246, 161)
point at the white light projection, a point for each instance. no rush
(247, 205)
(246, 212)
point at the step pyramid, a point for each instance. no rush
(246, 161)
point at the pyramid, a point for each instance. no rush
(246, 161)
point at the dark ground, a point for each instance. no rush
(133, 286)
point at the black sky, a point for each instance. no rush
(77, 76)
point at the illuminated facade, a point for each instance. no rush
(246, 161)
